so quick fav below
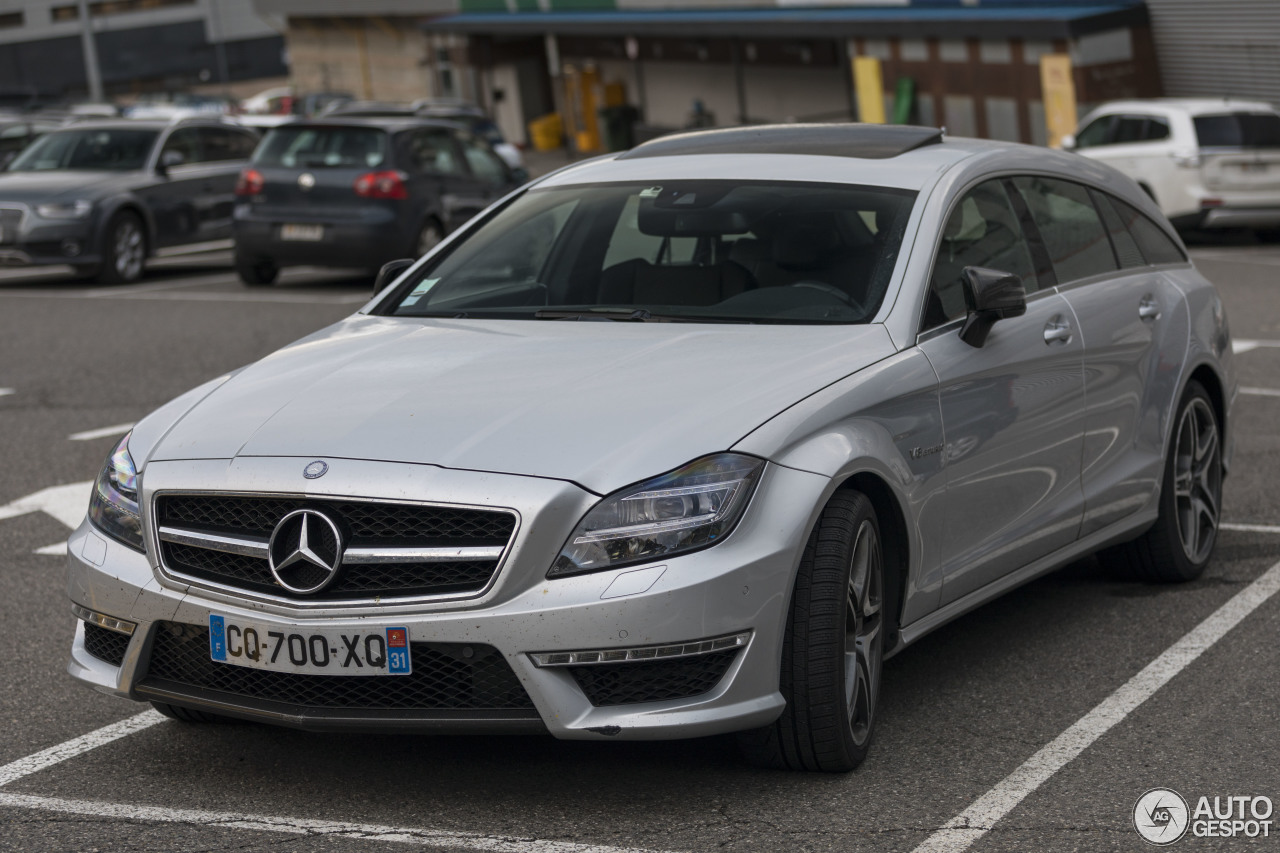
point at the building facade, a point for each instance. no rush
(142, 46)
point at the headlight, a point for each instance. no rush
(690, 508)
(113, 507)
(77, 209)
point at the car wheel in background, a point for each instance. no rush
(833, 648)
(257, 272)
(1178, 546)
(189, 715)
(124, 250)
(428, 238)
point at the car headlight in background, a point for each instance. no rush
(78, 209)
(689, 508)
(113, 507)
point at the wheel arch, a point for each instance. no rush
(1212, 384)
(128, 204)
(895, 544)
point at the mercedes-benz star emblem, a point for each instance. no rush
(305, 551)
(315, 470)
(306, 180)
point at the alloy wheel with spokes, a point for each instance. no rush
(862, 637)
(124, 250)
(1197, 480)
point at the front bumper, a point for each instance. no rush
(741, 585)
(46, 242)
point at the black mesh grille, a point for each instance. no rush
(366, 524)
(652, 681)
(446, 677)
(363, 525)
(105, 645)
(356, 581)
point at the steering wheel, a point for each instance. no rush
(831, 290)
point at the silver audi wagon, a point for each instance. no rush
(675, 442)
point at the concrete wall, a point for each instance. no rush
(386, 61)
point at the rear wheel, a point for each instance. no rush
(833, 648)
(256, 272)
(189, 715)
(124, 251)
(1179, 545)
(428, 238)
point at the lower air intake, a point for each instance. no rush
(652, 681)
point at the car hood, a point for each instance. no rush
(55, 184)
(602, 404)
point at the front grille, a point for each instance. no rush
(652, 681)
(10, 222)
(446, 677)
(363, 524)
(104, 644)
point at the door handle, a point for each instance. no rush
(1057, 331)
(1148, 310)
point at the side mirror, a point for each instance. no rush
(1068, 142)
(169, 159)
(989, 295)
(390, 271)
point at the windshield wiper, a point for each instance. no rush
(627, 315)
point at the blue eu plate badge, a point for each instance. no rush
(217, 638)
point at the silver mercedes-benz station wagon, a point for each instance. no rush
(675, 442)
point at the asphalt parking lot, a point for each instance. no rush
(1009, 692)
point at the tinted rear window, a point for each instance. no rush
(1239, 130)
(320, 147)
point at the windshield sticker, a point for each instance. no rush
(651, 192)
(420, 291)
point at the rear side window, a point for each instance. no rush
(1118, 227)
(1239, 130)
(1070, 227)
(432, 150)
(1132, 232)
(222, 143)
(320, 147)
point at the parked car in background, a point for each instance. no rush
(17, 131)
(456, 110)
(1208, 163)
(682, 441)
(358, 192)
(104, 196)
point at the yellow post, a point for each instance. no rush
(870, 88)
(1058, 89)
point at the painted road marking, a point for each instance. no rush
(4, 392)
(1261, 392)
(328, 829)
(15, 770)
(65, 503)
(1251, 528)
(88, 435)
(971, 824)
(1243, 345)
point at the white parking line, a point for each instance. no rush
(1261, 392)
(1251, 528)
(971, 824)
(1243, 345)
(15, 770)
(90, 434)
(263, 823)
(4, 392)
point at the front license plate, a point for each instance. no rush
(319, 651)
(305, 233)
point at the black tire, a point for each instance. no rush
(828, 722)
(1178, 547)
(428, 237)
(189, 715)
(124, 249)
(257, 272)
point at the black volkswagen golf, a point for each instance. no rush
(105, 196)
(358, 192)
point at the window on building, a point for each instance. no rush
(71, 12)
(11, 19)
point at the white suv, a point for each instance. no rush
(1207, 163)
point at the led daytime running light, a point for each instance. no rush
(641, 653)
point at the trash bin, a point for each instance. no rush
(545, 132)
(618, 125)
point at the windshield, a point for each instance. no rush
(313, 147)
(693, 251)
(113, 149)
(1239, 130)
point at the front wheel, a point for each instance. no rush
(1179, 545)
(124, 252)
(833, 649)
